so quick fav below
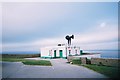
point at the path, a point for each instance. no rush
(66, 70)
(60, 69)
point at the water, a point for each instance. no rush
(105, 53)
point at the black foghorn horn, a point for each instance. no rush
(69, 39)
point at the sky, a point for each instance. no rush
(30, 26)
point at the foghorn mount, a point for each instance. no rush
(69, 39)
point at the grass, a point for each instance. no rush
(76, 61)
(13, 59)
(37, 62)
(28, 62)
(111, 72)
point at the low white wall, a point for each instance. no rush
(90, 56)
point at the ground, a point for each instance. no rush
(59, 69)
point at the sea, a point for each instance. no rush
(104, 53)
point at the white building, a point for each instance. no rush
(60, 51)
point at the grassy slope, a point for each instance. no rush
(111, 72)
(28, 62)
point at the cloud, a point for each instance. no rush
(105, 38)
(30, 26)
(60, 0)
(0, 28)
(100, 46)
(31, 21)
(0, 22)
(98, 34)
(26, 18)
(103, 24)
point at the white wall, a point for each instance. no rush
(45, 51)
(73, 52)
(91, 56)
(63, 51)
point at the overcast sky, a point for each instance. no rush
(29, 26)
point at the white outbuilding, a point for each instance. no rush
(59, 51)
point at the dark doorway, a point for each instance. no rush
(55, 53)
(61, 53)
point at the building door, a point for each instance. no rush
(61, 53)
(55, 53)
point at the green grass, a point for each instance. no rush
(13, 59)
(111, 72)
(76, 61)
(37, 62)
(28, 62)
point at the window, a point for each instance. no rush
(69, 52)
(76, 51)
(50, 52)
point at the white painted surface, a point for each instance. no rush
(91, 56)
(45, 51)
